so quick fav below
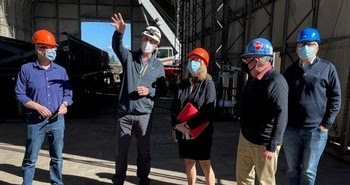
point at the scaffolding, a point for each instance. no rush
(224, 27)
(207, 24)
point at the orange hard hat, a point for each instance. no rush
(44, 37)
(201, 53)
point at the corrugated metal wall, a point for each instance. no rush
(21, 18)
(12, 25)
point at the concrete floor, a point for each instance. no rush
(89, 152)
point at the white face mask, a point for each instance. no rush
(147, 47)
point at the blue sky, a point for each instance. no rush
(100, 35)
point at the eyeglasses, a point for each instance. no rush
(310, 44)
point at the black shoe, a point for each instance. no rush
(146, 181)
(117, 181)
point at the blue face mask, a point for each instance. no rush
(193, 66)
(305, 52)
(50, 54)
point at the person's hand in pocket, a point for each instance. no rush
(323, 128)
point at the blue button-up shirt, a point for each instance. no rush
(48, 87)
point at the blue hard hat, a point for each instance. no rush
(258, 47)
(309, 35)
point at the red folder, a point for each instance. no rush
(195, 132)
(187, 113)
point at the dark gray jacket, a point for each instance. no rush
(203, 96)
(136, 74)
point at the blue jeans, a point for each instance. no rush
(303, 148)
(37, 130)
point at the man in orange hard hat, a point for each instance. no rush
(43, 88)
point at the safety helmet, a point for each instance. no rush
(201, 53)
(308, 35)
(152, 32)
(44, 37)
(258, 47)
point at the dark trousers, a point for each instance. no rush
(128, 125)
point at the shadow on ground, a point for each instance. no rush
(43, 176)
(92, 134)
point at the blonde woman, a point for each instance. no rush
(199, 90)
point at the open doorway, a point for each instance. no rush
(99, 34)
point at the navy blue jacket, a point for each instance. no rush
(264, 111)
(136, 74)
(314, 94)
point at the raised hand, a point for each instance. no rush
(118, 22)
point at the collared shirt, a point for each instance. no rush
(262, 73)
(310, 63)
(48, 87)
(145, 59)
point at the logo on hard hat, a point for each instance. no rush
(258, 45)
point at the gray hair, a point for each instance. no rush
(267, 58)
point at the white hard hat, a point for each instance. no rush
(152, 32)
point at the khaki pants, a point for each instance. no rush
(249, 162)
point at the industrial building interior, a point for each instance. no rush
(223, 27)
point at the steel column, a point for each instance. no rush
(316, 5)
(285, 33)
(213, 33)
(224, 38)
